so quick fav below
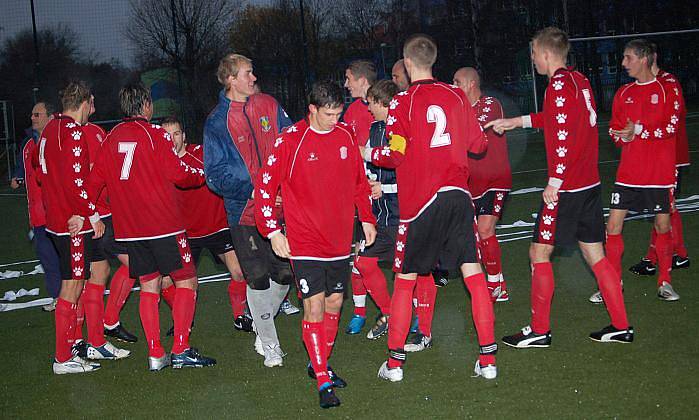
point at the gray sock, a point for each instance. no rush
(260, 303)
(278, 294)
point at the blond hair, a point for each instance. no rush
(229, 66)
(554, 40)
(421, 50)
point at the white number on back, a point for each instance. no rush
(42, 160)
(435, 114)
(128, 148)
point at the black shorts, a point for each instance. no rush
(74, 255)
(490, 203)
(641, 200)
(256, 258)
(217, 243)
(168, 256)
(313, 277)
(445, 232)
(106, 246)
(577, 217)
(384, 247)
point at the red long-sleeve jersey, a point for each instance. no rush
(431, 128)
(63, 167)
(489, 171)
(359, 118)
(681, 141)
(322, 180)
(202, 210)
(95, 136)
(140, 168)
(569, 120)
(35, 201)
(648, 160)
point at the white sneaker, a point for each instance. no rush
(287, 308)
(273, 355)
(74, 365)
(106, 351)
(258, 346)
(667, 293)
(487, 372)
(50, 307)
(596, 298)
(393, 375)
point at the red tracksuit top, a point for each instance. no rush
(95, 136)
(35, 201)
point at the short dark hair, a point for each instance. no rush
(171, 119)
(133, 97)
(325, 94)
(553, 39)
(50, 107)
(642, 48)
(382, 92)
(363, 68)
(74, 94)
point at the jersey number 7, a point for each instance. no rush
(128, 148)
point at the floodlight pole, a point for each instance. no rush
(35, 88)
(305, 48)
(531, 63)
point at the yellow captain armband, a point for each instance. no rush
(397, 143)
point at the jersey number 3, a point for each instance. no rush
(128, 148)
(435, 114)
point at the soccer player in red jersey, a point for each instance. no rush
(140, 169)
(63, 166)
(358, 77)
(571, 208)
(431, 127)
(490, 180)
(645, 117)
(317, 166)
(206, 223)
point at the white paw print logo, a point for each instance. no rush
(182, 242)
(482, 118)
(489, 101)
(187, 257)
(167, 136)
(264, 194)
(376, 154)
(77, 150)
(557, 85)
(658, 132)
(266, 177)
(77, 256)
(267, 211)
(560, 101)
(401, 229)
(83, 194)
(390, 120)
(497, 208)
(292, 129)
(155, 126)
(562, 134)
(677, 106)
(78, 271)
(77, 240)
(560, 168)
(76, 167)
(674, 119)
(71, 125)
(399, 246)
(200, 171)
(393, 104)
(271, 224)
(546, 235)
(271, 159)
(548, 219)
(486, 109)
(645, 134)
(670, 128)
(677, 91)
(551, 206)
(561, 118)
(79, 182)
(278, 141)
(500, 196)
(76, 135)
(403, 93)
(386, 151)
(396, 262)
(561, 151)
(90, 206)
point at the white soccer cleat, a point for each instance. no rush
(487, 372)
(156, 364)
(273, 355)
(74, 365)
(667, 293)
(393, 375)
(596, 298)
(258, 346)
(106, 351)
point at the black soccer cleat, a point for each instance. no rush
(328, 399)
(337, 381)
(121, 334)
(643, 268)
(243, 323)
(191, 358)
(80, 349)
(609, 334)
(679, 262)
(527, 338)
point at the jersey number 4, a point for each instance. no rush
(435, 114)
(128, 148)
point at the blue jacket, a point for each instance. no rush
(29, 133)
(237, 139)
(385, 208)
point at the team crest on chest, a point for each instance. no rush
(264, 123)
(343, 152)
(312, 157)
(654, 98)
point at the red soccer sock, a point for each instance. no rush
(65, 323)
(492, 255)
(150, 319)
(183, 315)
(119, 291)
(375, 282)
(483, 315)
(542, 294)
(652, 255)
(426, 292)
(93, 300)
(79, 318)
(614, 248)
(330, 323)
(237, 296)
(168, 295)
(358, 293)
(316, 344)
(610, 286)
(401, 314)
(663, 246)
(677, 234)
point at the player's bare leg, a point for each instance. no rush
(359, 293)
(490, 251)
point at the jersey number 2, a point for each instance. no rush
(435, 114)
(128, 148)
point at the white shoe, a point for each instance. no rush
(74, 365)
(596, 298)
(287, 308)
(667, 293)
(106, 351)
(487, 372)
(50, 307)
(393, 375)
(273, 355)
(258, 346)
